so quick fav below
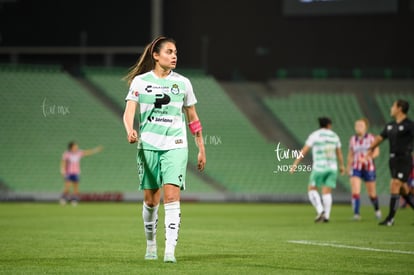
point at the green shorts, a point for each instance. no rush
(326, 178)
(156, 168)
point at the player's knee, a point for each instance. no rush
(171, 198)
(150, 203)
(171, 193)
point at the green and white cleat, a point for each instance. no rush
(151, 253)
(169, 258)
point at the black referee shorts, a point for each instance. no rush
(400, 167)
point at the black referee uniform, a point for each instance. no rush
(401, 139)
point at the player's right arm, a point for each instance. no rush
(349, 159)
(128, 118)
(62, 167)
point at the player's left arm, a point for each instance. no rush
(302, 154)
(350, 159)
(62, 167)
(196, 130)
(376, 152)
(90, 152)
(340, 158)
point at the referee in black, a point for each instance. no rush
(400, 134)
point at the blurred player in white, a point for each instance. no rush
(362, 168)
(326, 152)
(164, 100)
(70, 170)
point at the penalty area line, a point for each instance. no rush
(351, 247)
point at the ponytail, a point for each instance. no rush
(146, 62)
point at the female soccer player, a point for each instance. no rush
(163, 97)
(70, 170)
(326, 154)
(361, 167)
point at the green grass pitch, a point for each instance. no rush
(108, 238)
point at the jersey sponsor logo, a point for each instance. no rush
(162, 112)
(150, 88)
(161, 99)
(172, 226)
(159, 119)
(179, 141)
(175, 90)
(163, 119)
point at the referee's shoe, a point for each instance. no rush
(387, 222)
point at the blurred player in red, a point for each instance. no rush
(70, 170)
(362, 168)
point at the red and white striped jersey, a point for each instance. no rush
(359, 146)
(72, 162)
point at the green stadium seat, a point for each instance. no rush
(239, 158)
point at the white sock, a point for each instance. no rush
(315, 199)
(172, 225)
(150, 217)
(327, 204)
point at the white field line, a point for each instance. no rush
(351, 247)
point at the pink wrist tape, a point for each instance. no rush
(195, 127)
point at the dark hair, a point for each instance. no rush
(324, 122)
(403, 104)
(71, 144)
(146, 62)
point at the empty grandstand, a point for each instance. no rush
(251, 134)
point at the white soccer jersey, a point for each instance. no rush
(324, 143)
(161, 101)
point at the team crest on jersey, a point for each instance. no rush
(401, 127)
(389, 127)
(174, 89)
